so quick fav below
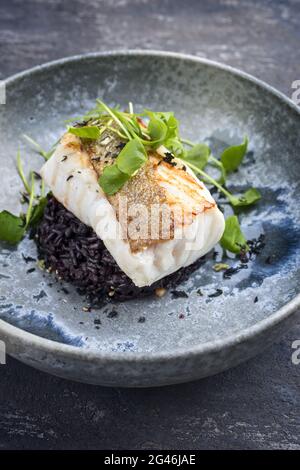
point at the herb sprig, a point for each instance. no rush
(13, 227)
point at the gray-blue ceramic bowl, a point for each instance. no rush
(181, 339)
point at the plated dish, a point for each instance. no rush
(126, 208)
(105, 292)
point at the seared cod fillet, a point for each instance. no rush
(162, 219)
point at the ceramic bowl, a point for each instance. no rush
(157, 341)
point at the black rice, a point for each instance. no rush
(74, 253)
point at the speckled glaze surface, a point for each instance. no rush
(181, 339)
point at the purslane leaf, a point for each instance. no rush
(233, 239)
(198, 155)
(128, 162)
(176, 147)
(12, 227)
(112, 179)
(251, 196)
(131, 157)
(172, 125)
(86, 132)
(232, 157)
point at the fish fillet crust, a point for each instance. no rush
(72, 176)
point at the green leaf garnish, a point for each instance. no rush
(128, 162)
(249, 197)
(176, 147)
(86, 132)
(112, 179)
(12, 227)
(157, 129)
(38, 211)
(233, 156)
(233, 239)
(131, 157)
(172, 125)
(46, 155)
(198, 155)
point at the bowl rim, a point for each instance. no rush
(24, 338)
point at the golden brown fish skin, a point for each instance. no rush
(142, 189)
(146, 189)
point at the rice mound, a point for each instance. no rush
(75, 254)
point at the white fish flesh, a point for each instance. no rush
(72, 174)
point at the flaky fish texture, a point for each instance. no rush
(180, 220)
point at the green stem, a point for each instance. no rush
(145, 142)
(188, 142)
(116, 119)
(42, 188)
(116, 132)
(30, 204)
(216, 161)
(73, 119)
(39, 150)
(192, 144)
(209, 179)
(21, 173)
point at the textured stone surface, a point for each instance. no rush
(254, 405)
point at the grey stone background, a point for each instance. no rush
(255, 405)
